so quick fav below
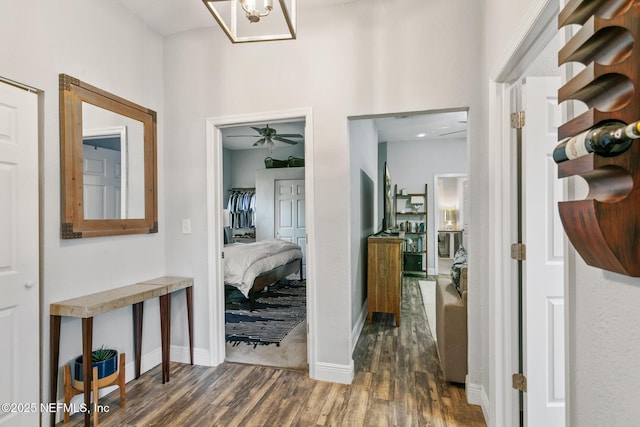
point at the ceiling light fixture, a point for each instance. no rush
(230, 14)
(253, 14)
(421, 135)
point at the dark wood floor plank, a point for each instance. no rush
(398, 382)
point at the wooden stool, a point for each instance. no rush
(73, 387)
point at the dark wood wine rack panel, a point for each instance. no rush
(605, 227)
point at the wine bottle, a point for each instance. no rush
(608, 139)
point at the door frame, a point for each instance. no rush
(436, 208)
(215, 195)
(537, 29)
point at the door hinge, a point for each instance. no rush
(517, 120)
(518, 251)
(520, 382)
(222, 255)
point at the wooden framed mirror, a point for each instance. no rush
(108, 163)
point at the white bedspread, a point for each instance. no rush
(244, 261)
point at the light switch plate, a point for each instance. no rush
(186, 226)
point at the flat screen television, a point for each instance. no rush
(388, 222)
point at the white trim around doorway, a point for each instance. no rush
(215, 227)
(535, 31)
(436, 215)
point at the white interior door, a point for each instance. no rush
(101, 183)
(19, 258)
(543, 317)
(290, 213)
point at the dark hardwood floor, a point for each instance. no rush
(398, 382)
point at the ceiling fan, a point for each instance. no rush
(451, 133)
(455, 131)
(267, 135)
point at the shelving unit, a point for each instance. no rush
(410, 211)
(602, 227)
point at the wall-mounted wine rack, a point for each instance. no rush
(605, 227)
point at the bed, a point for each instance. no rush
(251, 267)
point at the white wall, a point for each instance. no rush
(363, 159)
(413, 164)
(245, 163)
(349, 60)
(41, 40)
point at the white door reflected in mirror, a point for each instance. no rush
(113, 165)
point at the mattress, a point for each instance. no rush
(243, 262)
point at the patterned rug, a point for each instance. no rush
(278, 310)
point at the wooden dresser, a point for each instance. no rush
(384, 275)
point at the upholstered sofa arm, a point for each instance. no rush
(463, 280)
(451, 328)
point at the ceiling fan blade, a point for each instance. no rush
(291, 135)
(259, 142)
(259, 130)
(243, 136)
(287, 141)
(451, 133)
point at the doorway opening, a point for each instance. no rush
(416, 146)
(256, 209)
(451, 210)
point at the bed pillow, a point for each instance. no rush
(459, 261)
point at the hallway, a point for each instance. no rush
(398, 382)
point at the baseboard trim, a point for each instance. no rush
(477, 395)
(359, 326)
(181, 354)
(333, 372)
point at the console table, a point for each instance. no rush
(88, 306)
(171, 285)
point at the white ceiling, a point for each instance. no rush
(167, 17)
(424, 126)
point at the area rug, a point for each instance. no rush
(278, 310)
(428, 290)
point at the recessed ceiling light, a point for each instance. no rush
(421, 135)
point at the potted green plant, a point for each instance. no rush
(105, 359)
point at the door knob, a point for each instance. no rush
(29, 284)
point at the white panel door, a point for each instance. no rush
(19, 258)
(543, 269)
(290, 212)
(101, 183)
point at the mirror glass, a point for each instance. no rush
(113, 164)
(108, 160)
